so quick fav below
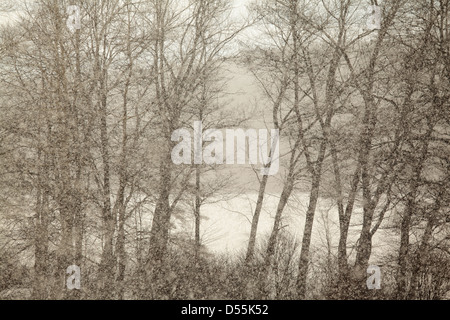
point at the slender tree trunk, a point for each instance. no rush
(402, 283)
(159, 233)
(65, 252)
(271, 246)
(121, 210)
(307, 233)
(421, 258)
(121, 253)
(109, 220)
(255, 220)
(41, 242)
(344, 223)
(197, 213)
(123, 178)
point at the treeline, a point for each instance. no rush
(86, 124)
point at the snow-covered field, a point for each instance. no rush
(225, 225)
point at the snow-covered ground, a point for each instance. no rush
(225, 226)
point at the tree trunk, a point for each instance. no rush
(41, 244)
(271, 246)
(402, 283)
(107, 263)
(159, 233)
(307, 233)
(421, 258)
(255, 221)
(197, 213)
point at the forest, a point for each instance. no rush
(341, 114)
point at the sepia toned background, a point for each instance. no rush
(93, 207)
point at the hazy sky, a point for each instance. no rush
(239, 6)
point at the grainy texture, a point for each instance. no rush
(162, 149)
